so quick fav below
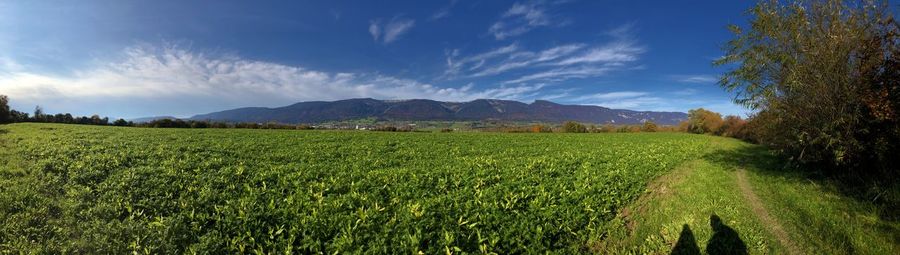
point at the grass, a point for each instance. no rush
(677, 214)
(815, 210)
(88, 189)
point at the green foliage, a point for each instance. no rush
(538, 128)
(5, 114)
(649, 126)
(93, 189)
(702, 121)
(825, 77)
(121, 123)
(574, 127)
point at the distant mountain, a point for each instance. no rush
(149, 119)
(422, 109)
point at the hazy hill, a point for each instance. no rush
(149, 119)
(422, 109)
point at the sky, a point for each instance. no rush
(134, 59)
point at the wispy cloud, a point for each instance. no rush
(527, 59)
(440, 14)
(444, 11)
(616, 52)
(621, 99)
(561, 74)
(375, 29)
(695, 78)
(521, 18)
(686, 92)
(657, 101)
(167, 76)
(557, 63)
(454, 65)
(611, 95)
(390, 31)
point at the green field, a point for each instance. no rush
(90, 189)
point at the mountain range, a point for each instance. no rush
(430, 110)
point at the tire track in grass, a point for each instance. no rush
(757, 206)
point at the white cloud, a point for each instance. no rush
(697, 78)
(444, 11)
(557, 63)
(617, 52)
(375, 29)
(632, 103)
(440, 14)
(527, 59)
(521, 18)
(390, 31)
(560, 74)
(686, 92)
(655, 101)
(395, 28)
(612, 95)
(455, 65)
(621, 100)
(168, 76)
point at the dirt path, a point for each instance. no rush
(763, 214)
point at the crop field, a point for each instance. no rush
(79, 189)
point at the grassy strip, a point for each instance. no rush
(817, 213)
(683, 212)
(677, 215)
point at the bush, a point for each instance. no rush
(121, 123)
(733, 126)
(649, 126)
(702, 121)
(825, 79)
(540, 129)
(574, 127)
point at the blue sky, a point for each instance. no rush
(145, 58)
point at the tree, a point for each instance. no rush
(574, 127)
(120, 123)
(702, 121)
(38, 114)
(18, 116)
(824, 77)
(649, 126)
(538, 128)
(733, 126)
(5, 114)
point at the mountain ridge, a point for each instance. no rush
(431, 110)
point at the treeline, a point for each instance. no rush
(179, 123)
(824, 78)
(8, 115)
(702, 121)
(576, 127)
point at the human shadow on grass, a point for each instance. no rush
(723, 241)
(687, 244)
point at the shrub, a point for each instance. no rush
(733, 126)
(120, 122)
(540, 129)
(702, 121)
(825, 79)
(649, 126)
(574, 127)
(5, 114)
